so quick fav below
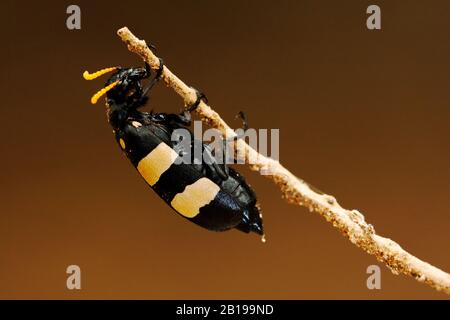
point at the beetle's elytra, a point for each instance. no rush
(213, 196)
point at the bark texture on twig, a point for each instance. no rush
(350, 223)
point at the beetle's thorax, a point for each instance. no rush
(117, 114)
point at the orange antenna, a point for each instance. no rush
(101, 92)
(95, 75)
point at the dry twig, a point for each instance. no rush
(351, 223)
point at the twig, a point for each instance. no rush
(351, 223)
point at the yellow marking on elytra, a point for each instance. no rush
(122, 143)
(158, 161)
(194, 197)
(136, 124)
(95, 75)
(101, 92)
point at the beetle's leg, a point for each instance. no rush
(200, 96)
(143, 98)
(243, 116)
(148, 70)
(175, 120)
(158, 117)
(184, 118)
(156, 78)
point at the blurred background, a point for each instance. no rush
(363, 115)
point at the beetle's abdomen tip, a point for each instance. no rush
(257, 228)
(263, 238)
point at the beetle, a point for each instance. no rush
(212, 195)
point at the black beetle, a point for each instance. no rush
(213, 196)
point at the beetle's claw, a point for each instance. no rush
(200, 96)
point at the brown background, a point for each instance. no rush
(363, 115)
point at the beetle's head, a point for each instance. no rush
(122, 87)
